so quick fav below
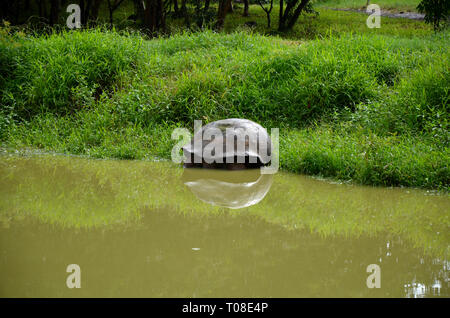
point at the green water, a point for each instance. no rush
(143, 229)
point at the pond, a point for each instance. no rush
(151, 229)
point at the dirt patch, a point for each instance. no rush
(401, 14)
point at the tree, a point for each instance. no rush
(95, 8)
(54, 11)
(152, 14)
(223, 9)
(290, 14)
(230, 6)
(246, 5)
(185, 13)
(89, 10)
(176, 10)
(436, 12)
(42, 8)
(201, 12)
(267, 10)
(206, 8)
(112, 6)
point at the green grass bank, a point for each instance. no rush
(388, 5)
(368, 108)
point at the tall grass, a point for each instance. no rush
(115, 95)
(391, 5)
(327, 23)
(62, 73)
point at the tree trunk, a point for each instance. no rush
(175, 7)
(285, 14)
(139, 10)
(296, 14)
(111, 11)
(39, 3)
(54, 12)
(87, 14)
(230, 7)
(112, 6)
(222, 11)
(280, 14)
(185, 14)
(288, 18)
(154, 15)
(111, 17)
(246, 5)
(268, 11)
(95, 9)
(198, 16)
(83, 12)
(4, 12)
(44, 11)
(27, 7)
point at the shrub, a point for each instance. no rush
(59, 72)
(436, 12)
(367, 108)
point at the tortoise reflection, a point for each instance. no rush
(231, 189)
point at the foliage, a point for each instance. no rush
(115, 95)
(436, 12)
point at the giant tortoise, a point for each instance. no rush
(228, 144)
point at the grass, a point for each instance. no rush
(388, 5)
(366, 157)
(369, 108)
(309, 26)
(327, 23)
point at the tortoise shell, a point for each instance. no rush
(249, 145)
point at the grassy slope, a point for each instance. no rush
(327, 23)
(389, 5)
(381, 101)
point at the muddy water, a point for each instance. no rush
(141, 229)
